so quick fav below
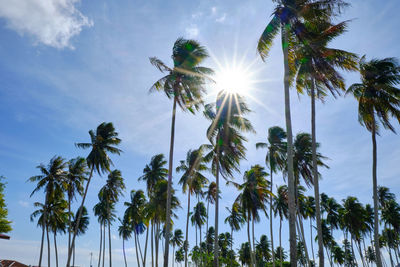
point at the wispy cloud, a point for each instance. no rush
(24, 204)
(49, 22)
(221, 18)
(192, 31)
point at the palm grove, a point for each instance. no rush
(311, 66)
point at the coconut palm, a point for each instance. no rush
(100, 210)
(76, 175)
(125, 232)
(81, 225)
(41, 212)
(198, 218)
(176, 240)
(51, 181)
(378, 100)
(280, 253)
(184, 83)
(102, 141)
(235, 219)
(274, 160)
(111, 192)
(192, 181)
(263, 251)
(245, 254)
(57, 219)
(309, 212)
(227, 142)
(210, 195)
(280, 207)
(154, 172)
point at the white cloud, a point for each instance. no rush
(192, 31)
(24, 204)
(222, 18)
(214, 10)
(50, 22)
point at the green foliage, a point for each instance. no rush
(5, 224)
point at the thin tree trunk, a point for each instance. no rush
(232, 245)
(145, 247)
(304, 238)
(104, 243)
(312, 246)
(291, 186)
(390, 255)
(315, 177)
(248, 237)
(48, 245)
(358, 244)
(109, 243)
(69, 222)
(270, 218)
(173, 255)
(254, 247)
(195, 229)
(216, 248)
(73, 259)
(157, 242)
(171, 157)
(123, 249)
(136, 249)
(187, 230)
(152, 244)
(41, 247)
(208, 204)
(375, 190)
(79, 217)
(101, 239)
(140, 248)
(280, 241)
(55, 248)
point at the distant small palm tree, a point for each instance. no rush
(198, 218)
(105, 140)
(125, 232)
(245, 254)
(176, 241)
(58, 217)
(263, 251)
(81, 225)
(211, 196)
(280, 207)
(378, 100)
(235, 219)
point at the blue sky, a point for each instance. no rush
(68, 65)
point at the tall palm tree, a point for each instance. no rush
(211, 196)
(51, 181)
(192, 181)
(263, 251)
(253, 194)
(274, 160)
(125, 232)
(111, 192)
(76, 175)
(245, 254)
(57, 218)
(198, 218)
(176, 240)
(288, 18)
(101, 211)
(309, 209)
(41, 212)
(81, 225)
(154, 172)
(105, 140)
(227, 142)
(184, 83)
(281, 208)
(378, 100)
(235, 219)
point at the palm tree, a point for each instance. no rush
(378, 100)
(245, 254)
(101, 211)
(192, 181)
(111, 192)
(184, 83)
(198, 218)
(263, 251)
(288, 18)
(51, 180)
(309, 210)
(154, 172)
(42, 212)
(235, 219)
(227, 148)
(77, 174)
(81, 225)
(176, 240)
(252, 197)
(280, 207)
(274, 160)
(125, 232)
(211, 196)
(102, 142)
(135, 215)
(57, 219)
(281, 254)
(179, 255)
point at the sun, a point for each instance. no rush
(234, 79)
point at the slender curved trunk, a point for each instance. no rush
(254, 247)
(140, 248)
(315, 177)
(358, 244)
(280, 241)
(69, 221)
(123, 250)
(173, 255)
(101, 239)
(55, 248)
(41, 247)
(390, 256)
(104, 243)
(216, 245)
(79, 217)
(312, 246)
(48, 245)
(145, 247)
(171, 157)
(109, 243)
(375, 190)
(232, 245)
(187, 229)
(136, 249)
(157, 240)
(291, 187)
(270, 218)
(195, 229)
(249, 239)
(301, 237)
(73, 259)
(304, 239)
(152, 244)
(208, 205)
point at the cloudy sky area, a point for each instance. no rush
(68, 65)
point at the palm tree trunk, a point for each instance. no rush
(187, 229)
(140, 248)
(48, 245)
(312, 246)
(41, 247)
(232, 245)
(270, 218)
(69, 221)
(109, 243)
(195, 228)
(375, 190)
(390, 256)
(55, 248)
(216, 248)
(208, 204)
(123, 249)
(173, 255)
(73, 259)
(79, 217)
(104, 243)
(152, 244)
(360, 252)
(280, 241)
(248, 237)
(254, 247)
(304, 239)
(157, 242)
(101, 237)
(145, 247)
(291, 188)
(315, 177)
(171, 157)
(136, 249)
